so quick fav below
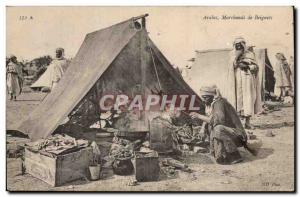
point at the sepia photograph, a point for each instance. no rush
(150, 99)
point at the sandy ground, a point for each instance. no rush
(271, 170)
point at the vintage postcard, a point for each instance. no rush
(145, 99)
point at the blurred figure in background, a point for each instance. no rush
(292, 71)
(283, 85)
(14, 78)
(7, 61)
(58, 66)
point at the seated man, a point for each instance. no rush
(226, 130)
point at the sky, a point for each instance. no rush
(177, 31)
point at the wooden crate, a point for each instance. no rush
(61, 169)
(146, 168)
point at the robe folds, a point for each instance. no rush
(243, 88)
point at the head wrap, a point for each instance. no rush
(240, 40)
(62, 52)
(59, 49)
(280, 56)
(208, 91)
(11, 56)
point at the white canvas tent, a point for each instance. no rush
(43, 81)
(117, 58)
(210, 67)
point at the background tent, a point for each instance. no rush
(120, 58)
(45, 79)
(211, 67)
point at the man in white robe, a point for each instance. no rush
(14, 78)
(57, 67)
(243, 91)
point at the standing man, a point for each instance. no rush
(57, 67)
(13, 78)
(226, 130)
(243, 76)
(283, 85)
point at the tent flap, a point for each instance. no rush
(95, 55)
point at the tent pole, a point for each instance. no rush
(143, 59)
(139, 17)
(144, 23)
